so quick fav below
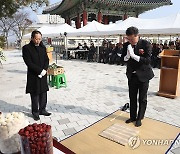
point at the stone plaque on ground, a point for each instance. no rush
(119, 133)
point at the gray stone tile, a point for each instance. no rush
(159, 109)
(80, 99)
(94, 91)
(70, 107)
(109, 103)
(21, 87)
(176, 150)
(67, 89)
(90, 86)
(82, 82)
(120, 95)
(69, 131)
(52, 101)
(63, 121)
(20, 96)
(152, 93)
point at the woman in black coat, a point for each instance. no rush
(36, 59)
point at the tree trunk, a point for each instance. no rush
(6, 39)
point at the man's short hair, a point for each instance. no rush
(132, 31)
(34, 33)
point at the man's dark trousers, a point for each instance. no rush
(136, 86)
(38, 102)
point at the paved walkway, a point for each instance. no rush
(94, 90)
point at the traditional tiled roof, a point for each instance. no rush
(63, 5)
(67, 4)
(52, 7)
(132, 2)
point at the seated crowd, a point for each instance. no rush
(110, 53)
(158, 48)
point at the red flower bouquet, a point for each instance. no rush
(141, 51)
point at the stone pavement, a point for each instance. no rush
(93, 91)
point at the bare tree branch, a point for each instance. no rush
(22, 22)
(6, 24)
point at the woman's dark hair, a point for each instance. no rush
(34, 33)
(132, 31)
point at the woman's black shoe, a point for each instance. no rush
(36, 117)
(45, 113)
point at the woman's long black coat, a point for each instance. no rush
(36, 60)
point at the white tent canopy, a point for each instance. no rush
(93, 28)
(167, 26)
(61, 29)
(43, 29)
(164, 26)
(54, 31)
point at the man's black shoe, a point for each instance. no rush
(36, 117)
(138, 123)
(45, 113)
(130, 120)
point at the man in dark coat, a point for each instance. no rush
(137, 53)
(91, 53)
(36, 59)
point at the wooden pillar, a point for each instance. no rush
(137, 15)
(69, 21)
(106, 20)
(66, 20)
(85, 19)
(78, 21)
(99, 19)
(125, 16)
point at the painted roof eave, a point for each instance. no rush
(67, 4)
